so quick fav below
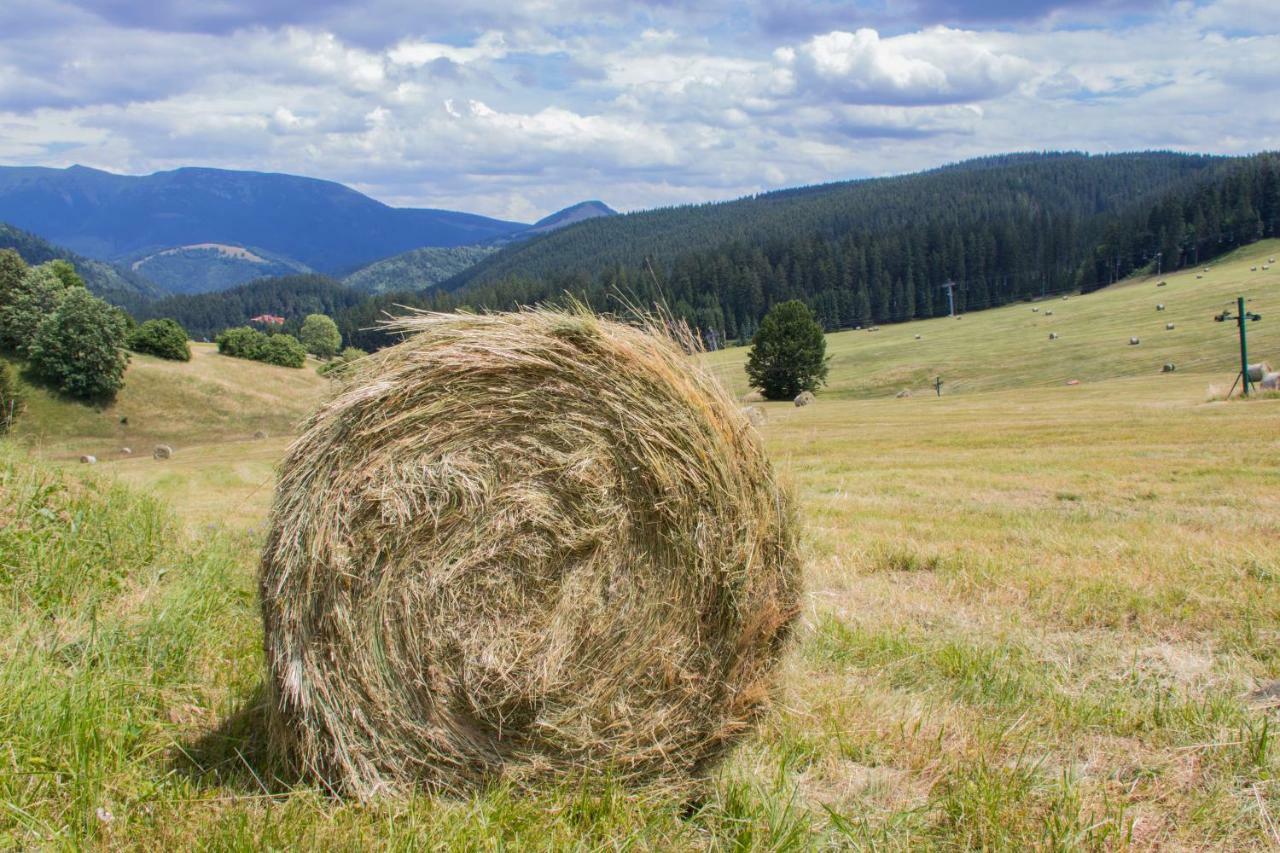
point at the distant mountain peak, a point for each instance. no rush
(573, 213)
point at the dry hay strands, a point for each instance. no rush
(522, 547)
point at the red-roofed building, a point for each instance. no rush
(268, 320)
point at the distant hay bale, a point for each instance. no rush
(1168, 368)
(1159, 306)
(259, 435)
(1035, 310)
(903, 394)
(1259, 370)
(523, 547)
(752, 396)
(1270, 382)
(1199, 276)
(1053, 336)
(1161, 283)
(1065, 298)
(1048, 313)
(1133, 342)
(1073, 381)
(162, 451)
(126, 451)
(917, 337)
(1253, 269)
(804, 398)
(88, 460)
(756, 415)
(1168, 327)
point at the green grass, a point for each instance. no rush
(1010, 348)
(1033, 620)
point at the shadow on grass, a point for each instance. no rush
(236, 754)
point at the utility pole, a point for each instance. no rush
(1240, 317)
(950, 288)
(937, 385)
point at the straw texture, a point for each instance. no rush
(519, 547)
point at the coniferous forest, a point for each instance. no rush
(878, 251)
(875, 251)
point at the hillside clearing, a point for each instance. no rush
(1036, 616)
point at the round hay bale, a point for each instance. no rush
(903, 394)
(523, 547)
(1048, 313)
(1259, 370)
(126, 451)
(1053, 336)
(1161, 283)
(917, 337)
(88, 460)
(1168, 368)
(259, 435)
(1065, 298)
(1270, 382)
(804, 398)
(1168, 327)
(756, 415)
(162, 451)
(1133, 342)
(1159, 306)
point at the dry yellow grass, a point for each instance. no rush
(1037, 616)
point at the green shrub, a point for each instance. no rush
(78, 349)
(339, 367)
(26, 304)
(241, 342)
(320, 335)
(11, 402)
(161, 338)
(788, 353)
(284, 350)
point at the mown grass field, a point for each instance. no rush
(1038, 616)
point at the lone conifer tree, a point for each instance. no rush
(788, 353)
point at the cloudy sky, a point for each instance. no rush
(516, 109)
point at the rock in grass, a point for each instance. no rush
(524, 547)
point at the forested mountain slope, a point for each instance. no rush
(1003, 228)
(203, 315)
(112, 283)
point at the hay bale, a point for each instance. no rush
(1065, 298)
(1270, 382)
(1133, 342)
(88, 460)
(1053, 336)
(1199, 276)
(1259, 370)
(804, 398)
(1161, 283)
(1048, 313)
(162, 451)
(523, 547)
(1159, 306)
(1168, 368)
(259, 435)
(1073, 381)
(903, 394)
(756, 415)
(1035, 310)
(917, 337)
(1253, 269)
(1168, 327)
(126, 451)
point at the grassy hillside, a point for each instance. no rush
(207, 409)
(1036, 616)
(212, 267)
(1010, 348)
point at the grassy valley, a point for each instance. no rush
(1037, 616)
